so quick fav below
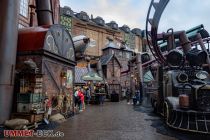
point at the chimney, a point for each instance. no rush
(44, 12)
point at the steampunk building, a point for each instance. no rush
(107, 52)
(111, 58)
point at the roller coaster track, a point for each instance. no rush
(153, 18)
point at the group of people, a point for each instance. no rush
(137, 97)
(79, 98)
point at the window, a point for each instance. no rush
(20, 26)
(120, 54)
(24, 8)
(128, 55)
(112, 51)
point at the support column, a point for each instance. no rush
(132, 83)
(8, 49)
(140, 72)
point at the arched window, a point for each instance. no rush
(24, 8)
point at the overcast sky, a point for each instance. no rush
(179, 14)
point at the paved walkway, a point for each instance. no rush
(120, 121)
(111, 121)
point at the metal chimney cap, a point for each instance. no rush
(99, 20)
(137, 31)
(83, 16)
(113, 25)
(125, 28)
(66, 10)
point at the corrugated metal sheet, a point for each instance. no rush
(79, 72)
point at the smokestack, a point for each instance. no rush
(44, 12)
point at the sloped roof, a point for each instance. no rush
(79, 72)
(106, 58)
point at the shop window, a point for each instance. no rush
(24, 8)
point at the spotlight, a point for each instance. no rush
(196, 57)
(175, 57)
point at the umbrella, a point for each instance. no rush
(92, 76)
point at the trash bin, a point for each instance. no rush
(114, 97)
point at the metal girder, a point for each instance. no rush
(153, 20)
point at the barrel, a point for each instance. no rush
(184, 101)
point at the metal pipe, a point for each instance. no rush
(44, 12)
(99, 68)
(140, 72)
(32, 12)
(200, 41)
(8, 48)
(185, 42)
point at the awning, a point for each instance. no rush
(92, 76)
(148, 77)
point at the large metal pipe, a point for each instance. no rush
(183, 39)
(8, 48)
(200, 41)
(44, 12)
(185, 42)
(140, 72)
(99, 69)
(80, 44)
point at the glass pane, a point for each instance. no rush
(24, 8)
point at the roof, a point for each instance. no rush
(106, 58)
(92, 76)
(79, 72)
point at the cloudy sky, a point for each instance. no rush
(179, 14)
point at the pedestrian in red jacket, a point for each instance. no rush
(82, 100)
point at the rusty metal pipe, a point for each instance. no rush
(185, 42)
(44, 12)
(8, 48)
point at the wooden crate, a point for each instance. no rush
(32, 118)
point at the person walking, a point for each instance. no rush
(76, 100)
(88, 96)
(81, 100)
(128, 96)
